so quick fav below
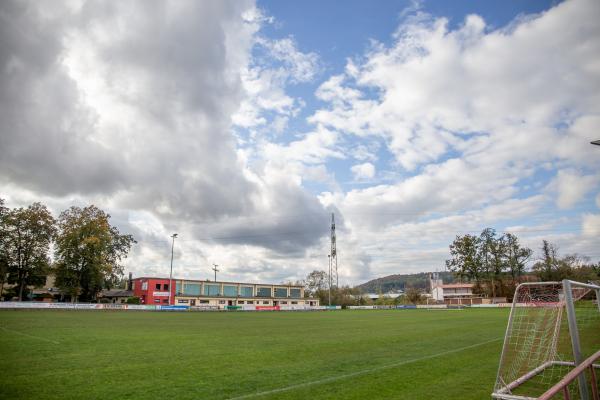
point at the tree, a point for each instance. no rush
(414, 296)
(3, 259)
(26, 237)
(547, 267)
(517, 256)
(465, 257)
(315, 281)
(88, 252)
(133, 300)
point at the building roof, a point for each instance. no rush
(219, 282)
(456, 285)
(116, 293)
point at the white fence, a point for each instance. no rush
(112, 306)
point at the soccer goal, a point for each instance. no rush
(552, 328)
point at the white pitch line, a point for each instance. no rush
(357, 373)
(28, 335)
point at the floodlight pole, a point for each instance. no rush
(329, 283)
(583, 389)
(171, 273)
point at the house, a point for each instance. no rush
(454, 293)
(115, 295)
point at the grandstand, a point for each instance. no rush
(188, 292)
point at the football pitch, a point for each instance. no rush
(361, 354)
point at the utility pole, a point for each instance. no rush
(329, 276)
(334, 267)
(214, 268)
(171, 273)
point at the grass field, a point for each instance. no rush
(392, 354)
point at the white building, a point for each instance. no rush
(455, 293)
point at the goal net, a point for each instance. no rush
(553, 326)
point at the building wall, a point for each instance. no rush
(233, 301)
(437, 293)
(153, 291)
(193, 292)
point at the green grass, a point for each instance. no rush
(416, 354)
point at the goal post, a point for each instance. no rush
(552, 328)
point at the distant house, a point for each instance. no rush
(453, 293)
(116, 295)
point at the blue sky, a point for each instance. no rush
(243, 125)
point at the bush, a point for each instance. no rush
(133, 300)
(104, 301)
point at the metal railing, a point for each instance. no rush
(563, 385)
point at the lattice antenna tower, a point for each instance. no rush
(334, 267)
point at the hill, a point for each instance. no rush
(402, 281)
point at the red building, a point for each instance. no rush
(153, 290)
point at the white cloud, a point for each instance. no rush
(142, 126)
(363, 171)
(591, 225)
(265, 81)
(572, 186)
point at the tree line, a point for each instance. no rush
(80, 248)
(316, 285)
(497, 263)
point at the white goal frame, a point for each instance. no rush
(562, 299)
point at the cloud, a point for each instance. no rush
(469, 113)
(363, 171)
(179, 117)
(591, 225)
(279, 63)
(471, 120)
(131, 103)
(571, 187)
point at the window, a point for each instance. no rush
(144, 285)
(295, 293)
(182, 301)
(221, 301)
(157, 300)
(263, 292)
(281, 292)
(192, 289)
(294, 302)
(166, 286)
(229, 290)
(212, 290)
(250, 302)
(166, 301)
(204, 301)
(265, 302)
(284, 302)
(157, 286)
(246, 291)
(241, 302)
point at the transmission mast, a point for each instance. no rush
(333, 262)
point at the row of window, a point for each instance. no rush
(185, 301)
(194, 289)
(156, 286)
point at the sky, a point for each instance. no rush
(242, 126)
